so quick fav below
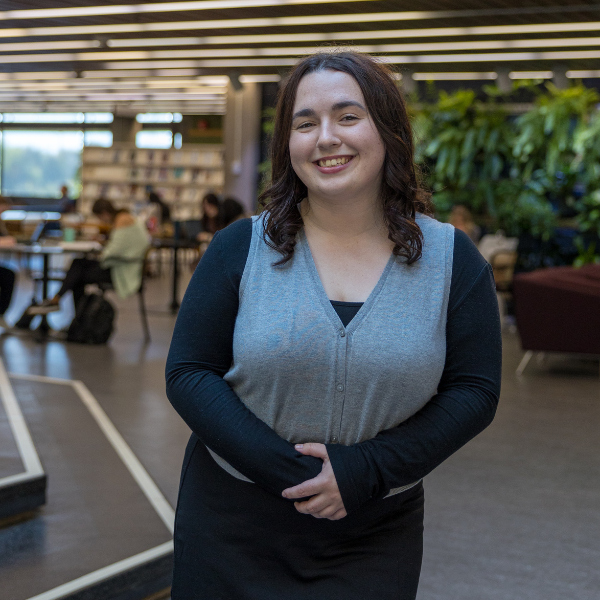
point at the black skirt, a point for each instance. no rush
(235, 541)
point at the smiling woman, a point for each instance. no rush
(378, 120)
(328, 355)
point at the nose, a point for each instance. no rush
(327, 136)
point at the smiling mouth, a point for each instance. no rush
(334, 162)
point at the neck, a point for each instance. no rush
(344, 219)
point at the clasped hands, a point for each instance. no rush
(326, 501)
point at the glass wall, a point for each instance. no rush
(38, 163)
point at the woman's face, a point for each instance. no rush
(210, 210)
(335, 147)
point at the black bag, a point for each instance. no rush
(93, 322)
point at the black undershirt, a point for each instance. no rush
(346, 311)
(202, 352)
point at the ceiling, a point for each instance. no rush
(177, 56)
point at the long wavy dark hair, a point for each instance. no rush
(401, 193)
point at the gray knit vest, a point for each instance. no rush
(313, 380)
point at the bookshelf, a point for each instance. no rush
(123, 173)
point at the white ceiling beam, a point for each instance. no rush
(399, 59)
(357, 35)
(142, 55)
(266, 22)
(155, 7)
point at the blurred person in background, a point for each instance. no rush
(66, 205)
(461, 218)
(7, 276)
(162, 212)
(232, 211)
(120, 263)
(212, 218)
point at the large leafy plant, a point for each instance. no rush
(519, 173)
(468, 151)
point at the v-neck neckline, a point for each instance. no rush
(324, 298)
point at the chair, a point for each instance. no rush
(503, 265)
(558, 310)
(105, 287)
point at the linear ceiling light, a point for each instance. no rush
(355, 35)
(136, 9)
(103, 84)
(159, 73)
(582, 74)
(454, 76)
(299, 21)
(62, 45)
(531, 74)
(36, 75)
(260, 78)
(296, 51)
(408, 59)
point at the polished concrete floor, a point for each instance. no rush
(513, 515)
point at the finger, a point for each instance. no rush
(301, 507)
(340, 514)
(317, 504)
(312, 449)
(326, 513)
(306, 488)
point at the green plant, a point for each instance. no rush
(546, 134)
(264, 168)
(587, 255)
(526, 208)
(469, 149)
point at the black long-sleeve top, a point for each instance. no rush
(201, 353)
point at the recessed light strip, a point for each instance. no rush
(297, 51)
(351, 36)
(136, 9)
(154, 76)
(400, 59)
(464, 76)
(37, 46)
(531, 75)
(305, 20)
(583, 74)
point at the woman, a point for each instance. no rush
(212, 218)
(461, 218)
(120, 263)
(327, 356)
(7, 276)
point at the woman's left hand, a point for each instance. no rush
(326, 501)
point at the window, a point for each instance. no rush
(38, 163)
(154, 139)
(158, 118)
(104, 139)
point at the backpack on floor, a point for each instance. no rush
(94, 320)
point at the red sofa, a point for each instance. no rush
(558, 309)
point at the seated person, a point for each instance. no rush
(120, 263)
(212, 218)
(7, 276)
(461, 218)
(232, 211)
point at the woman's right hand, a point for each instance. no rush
(326, 501)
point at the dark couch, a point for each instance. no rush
(558, 309)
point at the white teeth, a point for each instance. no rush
(333, 162)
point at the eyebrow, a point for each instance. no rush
(309, 112)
